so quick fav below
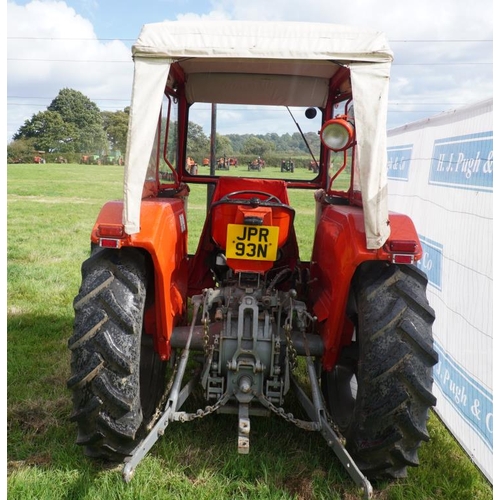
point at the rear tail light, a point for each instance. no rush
(403, 259)
(109, 243)
(110, 230)
(402, 251)
(404, 246)
(110, 235)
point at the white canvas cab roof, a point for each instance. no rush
(276, 63)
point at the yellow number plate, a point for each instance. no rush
(252, 242)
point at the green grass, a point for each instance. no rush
(51, 210)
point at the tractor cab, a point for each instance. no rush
(297, 81)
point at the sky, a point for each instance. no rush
(443, 49)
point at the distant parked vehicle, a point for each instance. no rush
(257, 164)
(90, 160)
(287, 166)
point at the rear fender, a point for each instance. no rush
(339, 248)
(163, 236)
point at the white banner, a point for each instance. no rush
(440, 173)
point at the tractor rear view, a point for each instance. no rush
(246, 307)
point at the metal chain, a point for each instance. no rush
(200, 413)
(163, 400)
(289, 417)
(291, 349)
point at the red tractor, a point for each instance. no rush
(39, 158)
(245, 305)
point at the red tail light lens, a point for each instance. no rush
(110, 231)
(110, 235)
(404, 246)
(402, 251)
(403, 259)
(109, 243)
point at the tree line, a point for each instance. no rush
(73, 125)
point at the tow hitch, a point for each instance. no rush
(244, 393)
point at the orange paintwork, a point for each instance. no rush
(164, 236)
(339, 248)
(225, 214)
(213, 236)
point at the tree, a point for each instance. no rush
(237, 141)
(21, 151)
(48, 132)
(198, 144)
(78, 110)
(223, 146)
(72, 123)
(116, 127)
(258, 147)
(283, 142)
(314, 142)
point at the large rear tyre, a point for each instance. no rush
(117, 378)
(380, 392)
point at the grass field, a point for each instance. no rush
(51, 210)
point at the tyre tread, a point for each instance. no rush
(105, 353)
(394, 370)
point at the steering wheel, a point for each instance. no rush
(265, 197)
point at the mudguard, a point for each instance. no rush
(339, 248)
(163, 236)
